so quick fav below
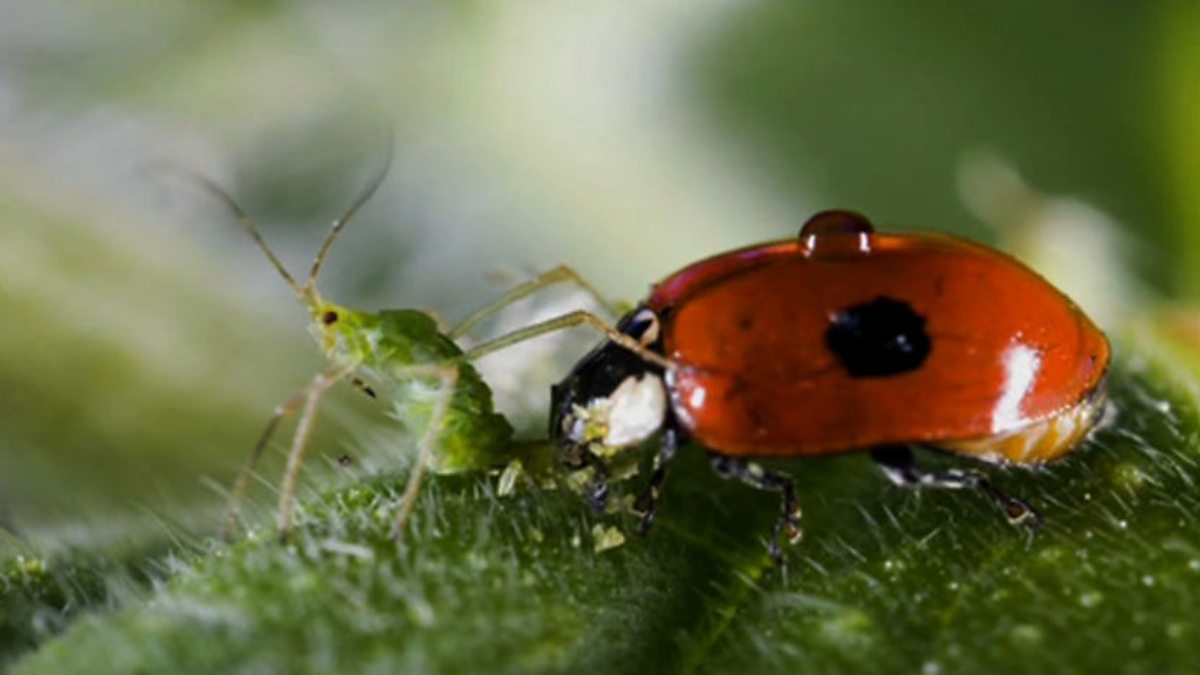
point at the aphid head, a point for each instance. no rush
(612, 398)
(338, 330)
(335, 328)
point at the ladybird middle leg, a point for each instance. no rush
(756, 475)
(900, 466)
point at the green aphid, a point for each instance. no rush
(403, 357)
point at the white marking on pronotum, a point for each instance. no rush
(633, 412)
(650, 335)
(639, 406)
(1021, 366)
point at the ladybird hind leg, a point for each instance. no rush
(900, 466)
(755, 475)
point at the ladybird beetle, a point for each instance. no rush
(839, 340)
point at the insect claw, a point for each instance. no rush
(644, 524)
(598, 496)
(773, 550)
(794, 533)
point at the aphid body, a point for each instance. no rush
(403, 356)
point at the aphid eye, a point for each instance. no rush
(329, 318)
(644, 327)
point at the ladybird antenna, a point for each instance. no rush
(250, 227)
(372, 186)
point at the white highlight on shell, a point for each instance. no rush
(1021, 366)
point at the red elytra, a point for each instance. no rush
(1008, 352)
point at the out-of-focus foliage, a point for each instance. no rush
(144, 340)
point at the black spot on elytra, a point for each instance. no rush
(878, 338)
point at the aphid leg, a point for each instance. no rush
(282, 411)
(242, 483)
(755, 475)
(899, 465)
(647, 501)
(560, 274)
(311, 396)
(447, 376)
(569, 320)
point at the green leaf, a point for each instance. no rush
(887, 579)
(40, 595)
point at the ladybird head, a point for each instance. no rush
(612, 398)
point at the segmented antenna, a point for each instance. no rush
(248, 224)
(340, 223)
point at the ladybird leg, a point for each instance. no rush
(755, 475)
(647, 501)
(598, 491)
(560, 274)
(899, 465)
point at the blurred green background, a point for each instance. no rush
(143, 340)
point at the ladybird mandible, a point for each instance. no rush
(842, 339)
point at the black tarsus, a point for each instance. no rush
(755, 475)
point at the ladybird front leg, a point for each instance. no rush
(755, 475)
(647, 501)
(899, 465)
(598, 490)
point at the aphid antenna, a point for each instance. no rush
(251, 228)
(307, 293)
(310, 286)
